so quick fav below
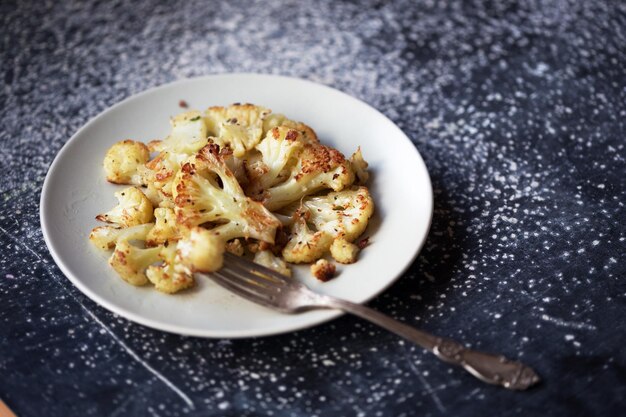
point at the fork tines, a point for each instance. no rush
(254, 282)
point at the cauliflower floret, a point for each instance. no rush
(318, 167)
(239, 126)
(275, 120)
(206, 191)
(171, 276)
(359, 166)
(188, 134)
(202, 250)
(304, 245)
(278, 149)
(131, 262)
(106, 237)
(267, 259)
(122, 159)
(165, 229)
(343, 251)
(156, 197)
(341, 214)
(323, 270)
(236, 165)
(134, 208)
(160, 172)
(235, 247)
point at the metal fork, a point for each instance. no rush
(268, 288)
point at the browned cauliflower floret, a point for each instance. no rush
(278, 150)
(275, 120)
(202, 250)
(187, 136)
(156, 197)
(341, 214)
(165, 229)
(122, 160)
(235, 247)
(105, 237)
(269, 260)
(343, 251)
(323, 270)
(305, 245)
(359, 166)
(318, 167)
(206, 191)
(134, 208)
(240, 126)
(131, 262)
(170, 276)
(159, 173)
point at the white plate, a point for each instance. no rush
(75, 190)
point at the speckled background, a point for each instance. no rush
(518, 109)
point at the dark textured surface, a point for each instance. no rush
(518, 110)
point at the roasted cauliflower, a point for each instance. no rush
(122, 161)
(323, 270)
(207, 191)
(188, 134)
(165, 229)
(160, 172)
(318, 167)
(341, 214)
(239, 179)
(170, 276)
(359, 166)
(276, 120)
(106, 237)
(239, 126)
(202, 250)
(278, 150)
(133, 208)
(269, 260)
(343, 251)
(131, 262)
(305, 245)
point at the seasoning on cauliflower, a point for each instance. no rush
(122, 159)
(359, 166)
(207, 191)
(165, 229)
(275, 120)
(343, 251)
(341, 214)
(156, 197)
(278, 150)
(160, 172)
(235, 247)
(237, 179)
(240, 126)
(323, 270)
(134, 208)
(304, 245)
(171, 276)
(188, 135)
(202, 250)
(318, 167)
(131, 262)
(106, 237)
(269, 260)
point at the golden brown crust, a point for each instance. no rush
(323, 270)
(319, 158)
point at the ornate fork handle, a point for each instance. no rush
(493, 369)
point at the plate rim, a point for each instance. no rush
(206, 333)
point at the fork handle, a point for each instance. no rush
(493, 369)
